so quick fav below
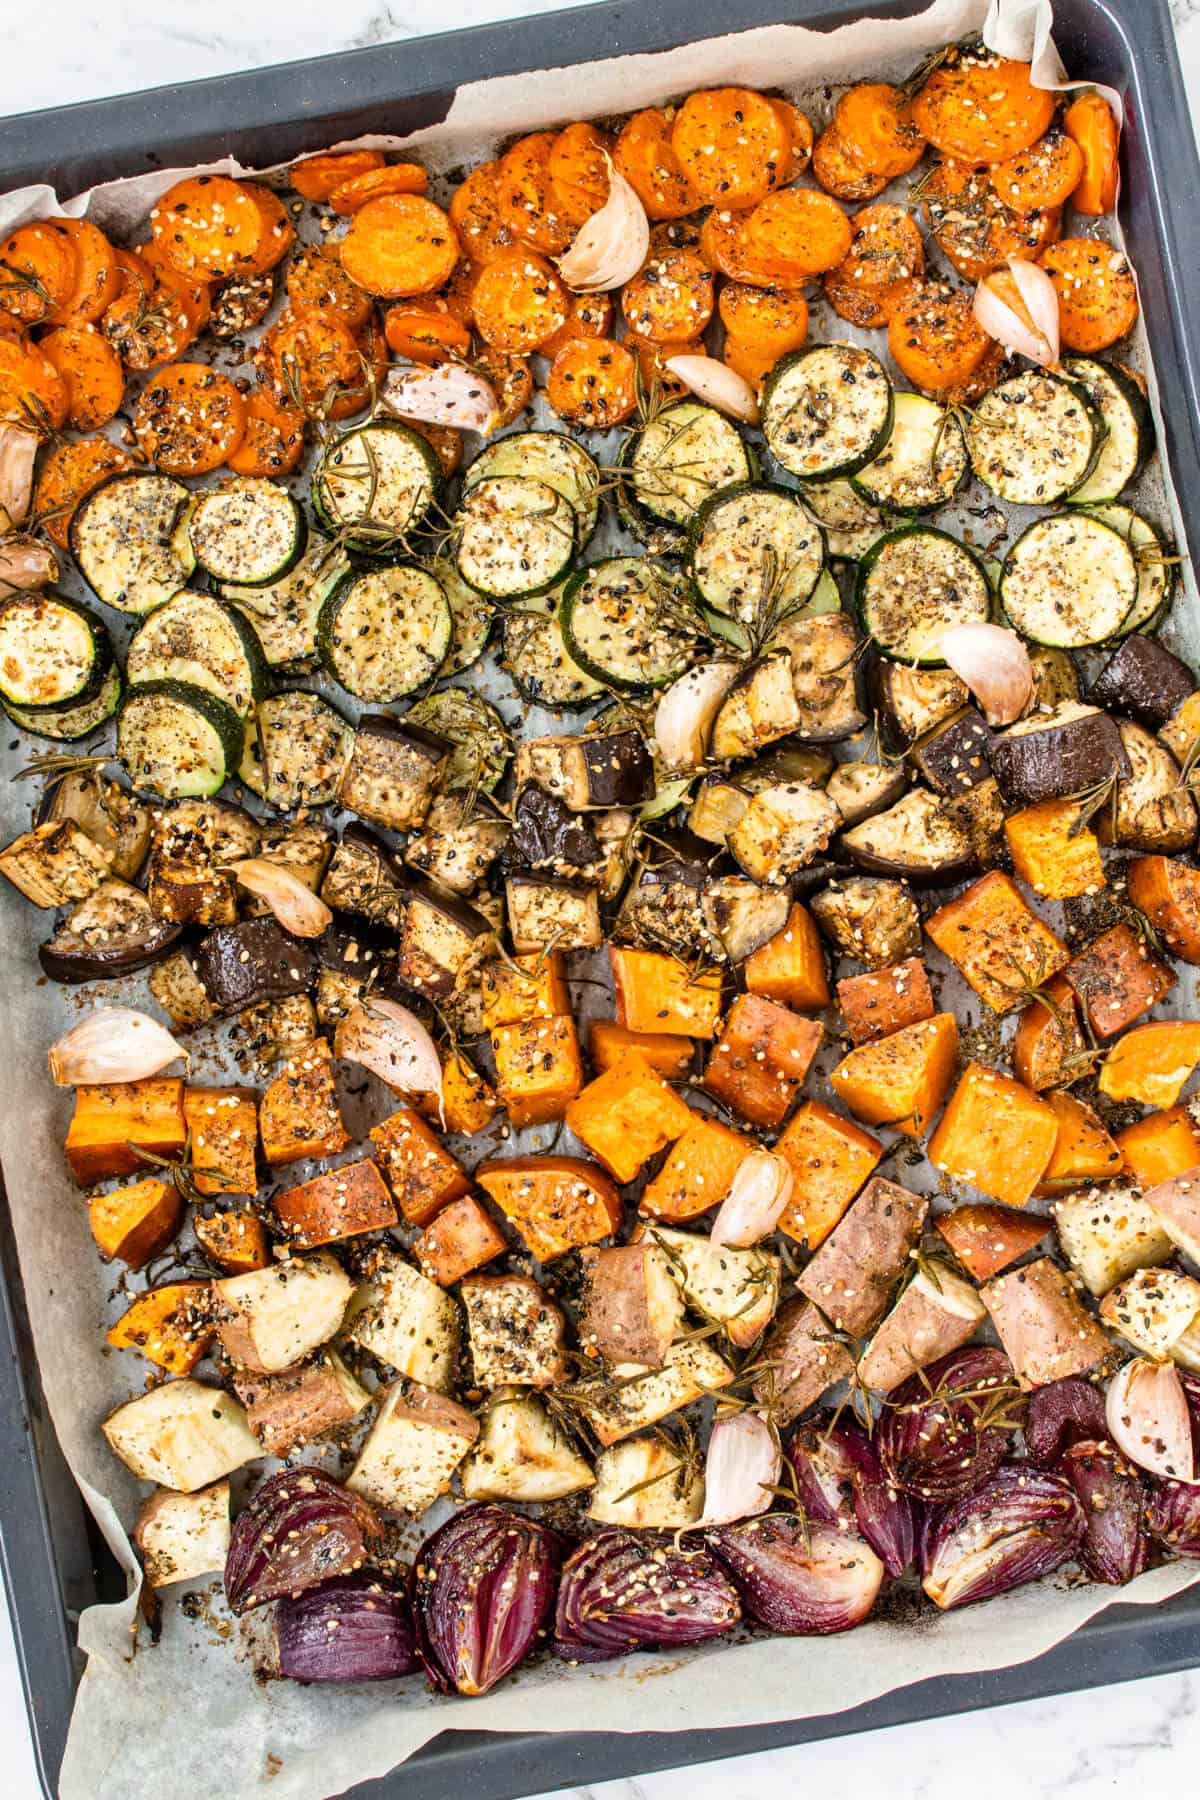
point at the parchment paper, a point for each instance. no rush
(187, 1720)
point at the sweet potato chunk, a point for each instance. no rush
(341, 1203)
(539, 1068)
(299, 1115)
(518, 989)
(300, 1404)
(462, 1237)
(995, 1135)
(632, 1309)
(1160, 1147)
(761, 1058)
(698, 1171)
(1118, 978)
(608, 1042)
(469, 1103)
(882, 1001)
(1045, 1331)
(223, 1136)
(830, 1159)
(1083, 1150)
(516, 1332)
(852, 1275)
(1168, 893)
(132, 1224)
(992, 935)
(421, 1172)
(108, 1119)
(172, 1326)
(1050, 852)
(936, 1313)
(801, 1359)
(236, 1241)
(418, 1439)
(1049, 1045)
(556, 1202)
(902, 1079)
(790, 967)
(1152, 1062)
(987, 1238)
(658, 993)
(626, 1116)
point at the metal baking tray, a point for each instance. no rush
(53, 1562)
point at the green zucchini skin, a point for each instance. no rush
(178, 770)
(1156, 573)
(736, 574)
(30, 625)
(903, 552)
(613, 627)
(549, 456)
(827, 448)
(396, 518)
(919, 425)
(66, 724)
(180, 642)
(1128, 429)
(656, 504)
(230, 527)
(130, 537)
(513, 536)
(1088, 601)
(1034, 438)
(384, 632)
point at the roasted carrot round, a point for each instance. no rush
(189, 419)
(591, 316)
(98, 281)
(1097, 295)
(38, 271)
(646, 158)
(886, 248)
(800, 138)
(874, 120)
(371, 351)
(147, 325)
(731, 145)
(799, 231)
(423, 336)
(475, 214)
(725, 247)
(70, 472)
(652, 362)
(399, 245)
(512, 383)
(273, 442)
(196, 294)
(671, 297)
(315, 177)
(92, 371)
(1090, 124)
(32, 392)
(593, 382)
(278, 232)
(528, 206)
(209, 226)
(317, 283)
(578, 165)
(935, 340)
(458, 295)
(1046, 174)
(974, 229)
(982, 108)
(761, 325)
(397, 178)
(519, 302)
(839, 171)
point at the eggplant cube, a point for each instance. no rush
(303, 848)
(183, 1434)
(1154, 809)
(522, 1454)
(720, 802)
(190, 850)
(412, 1450)
(275, 1317)
(393, 772)
(956, 756)
(516, 1332)
(736, 1288)
(783, 829)
(362, 878)
(824, 675)
(183, 1536)
(55, 863)
(1107, 1233)
(916, 838)
(441, 939)
(542, 911)
(302, 1403)
(407, 1321)
(873, 920)
(859, 790)
(740, 916)
(645, 1484)
(597, 769)
(180, 992)
(457, 844)
(760, 707)
(632, 1309)
(275, 1030)
(1066, 751)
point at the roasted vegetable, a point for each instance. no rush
(483, 1588)
(619, 1593)
(798, 1578)
(300, 1529)
(352, 1628)
(1021, 1524)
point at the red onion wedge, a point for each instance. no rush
(756, 1201)
(622, 1591)
(947, 1429)
(716, 383)
(1018, 306)
(301, 1528)
(1110, 1490)
(1173, 1516)
(741, 1468)
(685, 715)
(392, 1043)
(294, 905)
(1018, 1526)
(799, 1577)
(448, 394)
(1061, 1414)
(350, 1629)
(483, 1586)
(112, 1044)
(611, 246)
(840, 1481)
(1148, 1418)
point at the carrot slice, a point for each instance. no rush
(591, 316)
(423, 336)
(652, 362)
(39, 268)
(725, 247)
(458, 295)
(982, 108)
(1046, 174)
(1090, 124)
(731, 145)
(371, 349)
(512, 383)
(315, 177)
(317, 283)
(399, 245)
(800, 230)
(1097, 296)
(278, 231)
(189, 419)
(836, 166)
(148, 326)
(99, 279)
(886, 248)
(974, 229)
(761, 325)
(92, 371)
(519, 302)
(475, 214)
(397, 178)
(646, 158)
(875, 122)
(70, 472)
(593, 382)
(528, 205)
(32, 392)
(800, 136)
(671, 298)
(578, 166)
(273, 442)
(209, 226)
(935, 340)
(196, 293)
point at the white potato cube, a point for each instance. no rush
(417, 1441)
(183, 1536)
(408, 1321)
(275, 1317)
(182, 1434)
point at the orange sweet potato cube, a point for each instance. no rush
(902, 1079)
(995, 1135)
(341, 1203)
(1051, 852)
(759, 1062)
(469, 1102)
(223, 1137)
(830, 1159)
(1161, 1146)
(1083, 1150)
(659, 993)
(299, 1114)
(539, 1068)
(132, 1224)
(463, 1237)
(609, 1042)
(516, 989)
(627, 1115)
(108, 1119)
(698, 1171)
(421, 1172)
(557, 1203)
(1117, 978)
(790, 967)
(885, 1000)
(236, 1241)
(987, 1238)
(993, 936)
(1049, 1044)
(171, 1326)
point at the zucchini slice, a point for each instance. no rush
(471, 617)
(1034, 438)
(827, 411)
(248, 530)
(284, 613)
(178, 741)
(1156, 573)
(754, 543)
(1128, 428)
(53, 653)
(1070, 580)
(385, 632)
(684, 454)
(375, 484)
(66, 723)
(296, 748)
(476, 730)
(849, 524)
(914, 585)
(203, 642)
(131, 540)
(535, 654)
(924, 462)
(825, 598)
(624, 622)
(548, 456)
(513, 536)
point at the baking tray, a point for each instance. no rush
(53, 1562)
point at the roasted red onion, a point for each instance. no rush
(483, 1587)
(1115, 1547)
(1019, 1525)
(301, 1529)
(840, 1481)
(620, 1592)
(823, 1474)
(1061, 1414)
(351, 1629)
(937, 1435)
(800, 1577)
(1173, 1516)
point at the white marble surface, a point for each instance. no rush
(1142, 1738)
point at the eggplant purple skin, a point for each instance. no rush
(349, 1629)
(71, 967)
(930, 1448)
(1061, 1414)
(241, 965)
(799, 1577)
(1144, 680)
(1115, 1544)
(302, 1528)
(483, 1587)
(840, 1480)
(546, 834)
(1058, 760)
(619, 769)
(621, 1592)
(955, 757)
(1026, 1522)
